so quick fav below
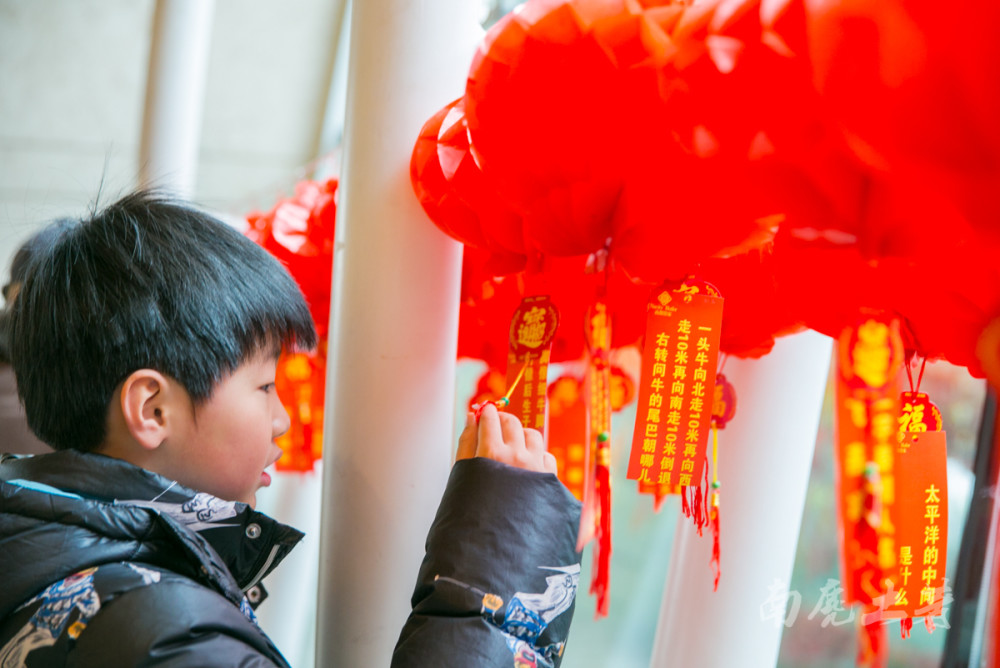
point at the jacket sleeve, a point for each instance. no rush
(169, 625)
(499, 578)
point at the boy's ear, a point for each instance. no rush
(144, 403)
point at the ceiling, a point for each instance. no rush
(73, 81)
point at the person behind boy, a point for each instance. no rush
(145, 342)
(17, 438)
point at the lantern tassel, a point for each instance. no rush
(658, 500)
(716, 563)
(873, 642)
(905, 626)
(699, 504)
(602, 558)
(699, 511)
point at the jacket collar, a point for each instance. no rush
(249, 543)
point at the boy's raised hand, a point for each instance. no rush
(500, 437)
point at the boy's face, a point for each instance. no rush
(228, 441)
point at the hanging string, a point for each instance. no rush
(715, 465)
(714, 512)
(920, 376)
(503, 401)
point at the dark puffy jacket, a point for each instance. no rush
(107, 564)
(498, 583)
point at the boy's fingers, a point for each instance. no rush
(534, 441)
(500, 436)
(513, 432)
(549, 462)
(467, 441)
(541, 459)
(490, 434)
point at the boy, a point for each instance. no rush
(144, 341)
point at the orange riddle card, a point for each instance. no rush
(921, 510)
(597, 333)
(597, 399)
(869, 357)
(598, 336)
(598, 382)
(921, 525)
(532, 329)
(676, 386)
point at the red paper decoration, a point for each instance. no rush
(299, 231)
(821, 163)
(755, 313)
(911, 85)
(451, 188)
(618, 144)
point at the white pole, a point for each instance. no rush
(765, 456)
(175, 92)
(289, 614)
(394, 321)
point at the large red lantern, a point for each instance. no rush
(911, 86)
(452, 190)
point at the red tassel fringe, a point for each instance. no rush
(658, 500)
(905, 626)
(697, 507)
(696, 504)
(700, 514)
(873, 643)
(602, 548)
(716, 563)
(929, 623)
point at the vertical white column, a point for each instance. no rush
(394, 322)
(175, 93)
(765, 456)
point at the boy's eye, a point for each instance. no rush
(268, 387)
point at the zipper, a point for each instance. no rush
(263, 569)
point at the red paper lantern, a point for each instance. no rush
(754, 314)
(668, 221)
(299, 231)
(944, 302)
(826, 285)
(625, 139)
(487, 303)
(543, 104)
(913, 88)
(452, 190)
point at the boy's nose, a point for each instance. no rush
(281, 422)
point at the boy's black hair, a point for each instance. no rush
(148, 282)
